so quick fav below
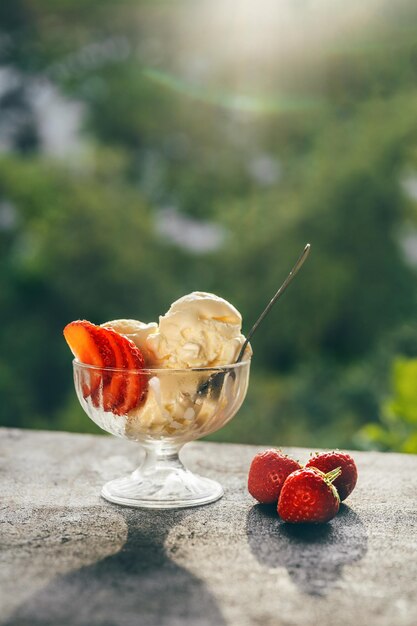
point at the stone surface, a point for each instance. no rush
(70, 558)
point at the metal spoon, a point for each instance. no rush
(213, 385)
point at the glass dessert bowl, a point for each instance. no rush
(174, 406)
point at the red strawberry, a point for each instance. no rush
(105, 348)
(309, 496)
(327, 461)
(113, 384)
(267, 474)
(87, 344)
(135, 384)
(90, 346)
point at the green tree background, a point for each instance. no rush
(195, 117)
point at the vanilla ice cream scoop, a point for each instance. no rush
(199, 330)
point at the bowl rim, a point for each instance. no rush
(157, 370)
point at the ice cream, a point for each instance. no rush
(199, 330)
(172, 406)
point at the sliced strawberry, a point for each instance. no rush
(106, 348)
(90, 345)
(114, 383)
(81, 337)
(135, 383)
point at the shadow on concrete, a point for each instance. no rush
(313, 554)
(138, 586)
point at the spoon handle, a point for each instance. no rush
(278, 294)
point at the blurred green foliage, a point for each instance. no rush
(274, 153)
(397, 429)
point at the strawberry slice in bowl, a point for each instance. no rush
(91, 346)
(133, 383)
(115, 381)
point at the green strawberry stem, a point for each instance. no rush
(331, 476)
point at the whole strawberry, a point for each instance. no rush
(309, 496)
(327, 461)
(267, 474)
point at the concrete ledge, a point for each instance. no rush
(70, 558)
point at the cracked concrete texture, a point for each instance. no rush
(70, 558)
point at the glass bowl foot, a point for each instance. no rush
(168, 490)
